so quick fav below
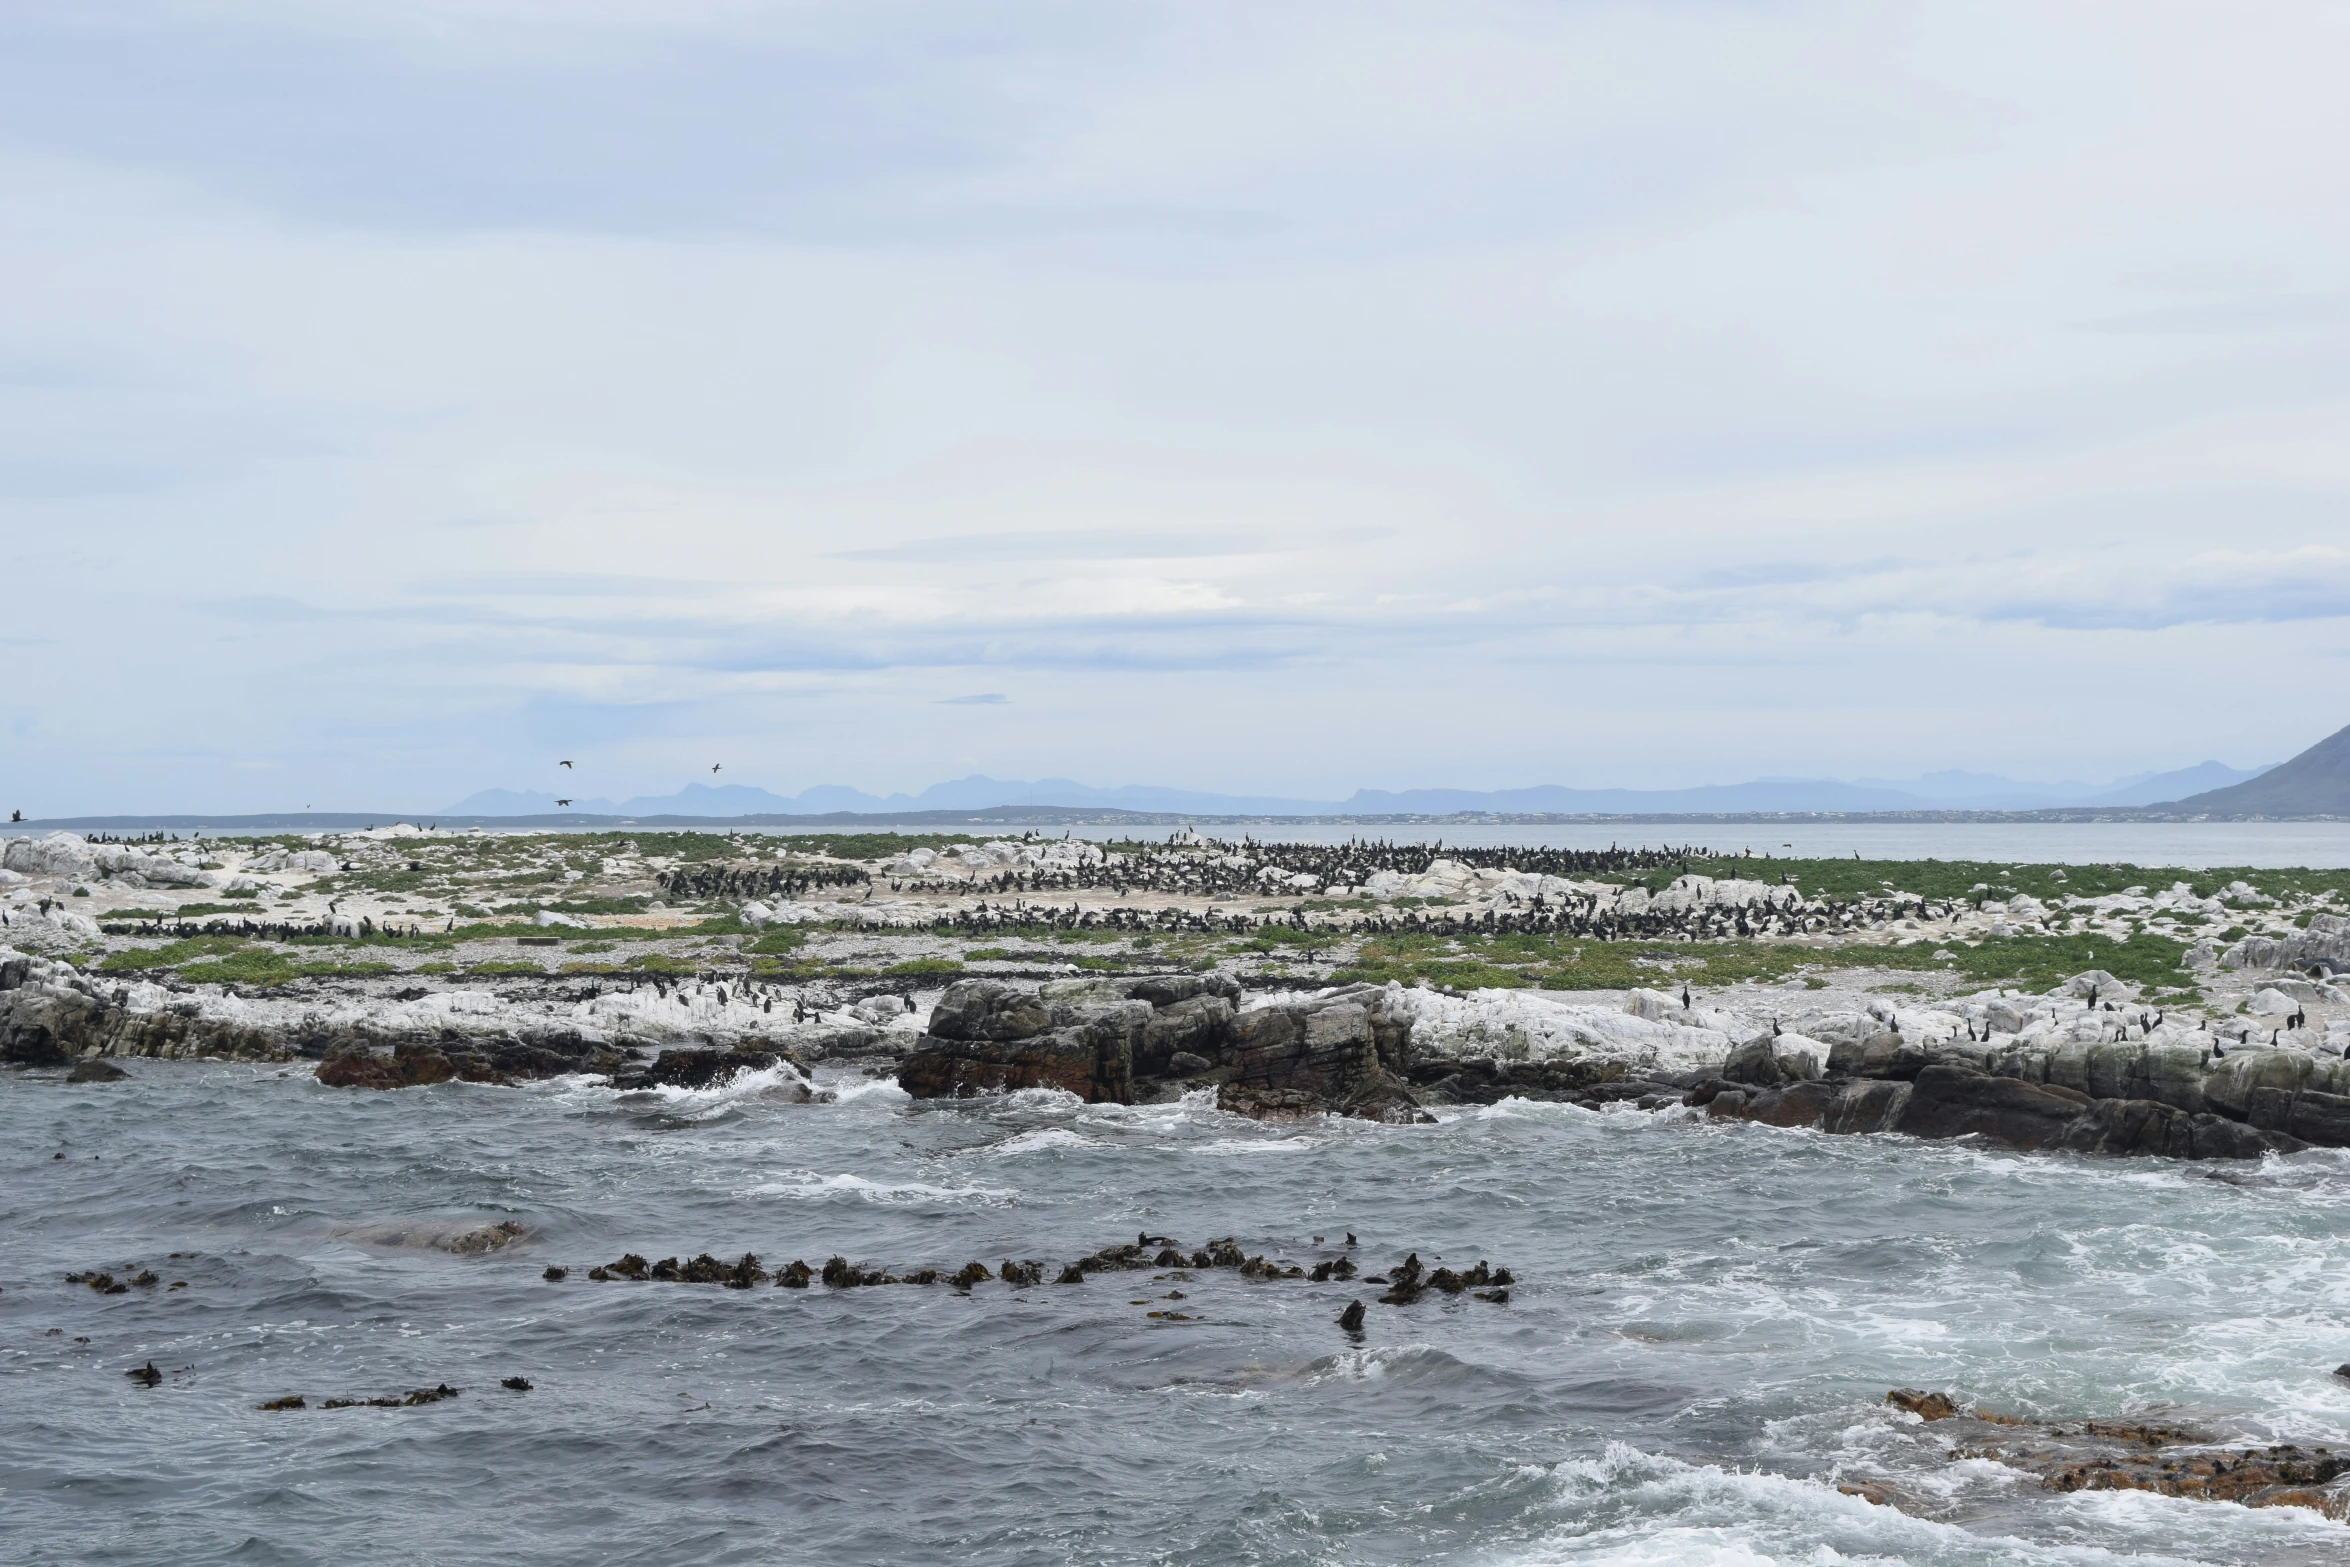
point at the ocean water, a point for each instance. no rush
(2184, 845)
(1706, 1321)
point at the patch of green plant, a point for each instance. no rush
(434, 967)
(1088, 937)
(988, 955)
(2044, 962)
(505, 966)
(253, 966)
(591, 946)
(591, 968)
(777, 968)
(843, 971)
(727, 924)
(581, 906)
(779, 939)
(175, 953)
(688, 847)
(920, 966)
(402, 880)
(343, 970)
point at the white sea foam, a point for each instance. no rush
(1043, 1139)
(1629, 1508)
(811, 1186)
(874, 1090)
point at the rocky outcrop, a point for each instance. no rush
(1942, 1098)
(2137, 1455)
(52, 1015)
(717, 1068)
(990, 1037)
(51, 854)
(1346, 1048)
(1342, 1050)
(67, 854)
(2327, 938)
(359, 1060)
(1591, 1083)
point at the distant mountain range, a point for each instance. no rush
(2315, 783)
(1935, 791)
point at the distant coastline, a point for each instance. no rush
(1073, 816)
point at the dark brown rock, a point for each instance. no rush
(988, 1010)
(943, 1068)
(696, 1068)
(1269, 1104)
(1926, 1406)
(1949, 1101)
(2130, 1455)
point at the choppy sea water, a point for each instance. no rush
(1707, 1318)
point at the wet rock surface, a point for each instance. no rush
(2139, 1455)
(355, 1060)
(414, 1399)
(1940, 1097)
(1151, 1039)
(1408, 1281)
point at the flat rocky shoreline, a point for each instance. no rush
(1140, 973)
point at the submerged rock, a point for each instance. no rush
(2136, 1455)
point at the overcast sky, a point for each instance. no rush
(1270, 398)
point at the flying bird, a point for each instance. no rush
(562, 764)
(562, 802)
(714, 766)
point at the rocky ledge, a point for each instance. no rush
(2132, 1455)
(1150, 1040)
(2114, 1097)
(658, 1031)
(1363, 1050)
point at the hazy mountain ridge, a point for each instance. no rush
(2315, 783)
(1935, 791)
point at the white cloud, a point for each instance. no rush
(1292, 399)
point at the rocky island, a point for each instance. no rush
(1376, 980)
